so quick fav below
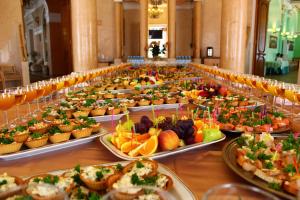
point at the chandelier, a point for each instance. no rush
(155, 11)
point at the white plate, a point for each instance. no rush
(156, 107)
(104, 140)
(179, 191)
(51, 147)
(257, 104)
(106, 118)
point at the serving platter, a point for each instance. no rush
(237, 132)
(105, 140)
(106, 118)
(156, 107)
(252, 106)
(51, 147)
(229, 156)
(179, 191)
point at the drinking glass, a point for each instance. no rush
(20, 97)
(233, 191)
(30, 93)
(7, 100)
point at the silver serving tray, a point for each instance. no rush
(51, 147)
(105, 137)
(156, 107)
(257, 104)
(106, 118)
(179, 191)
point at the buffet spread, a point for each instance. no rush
(207, 105)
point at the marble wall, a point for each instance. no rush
(184, 31)
(10, 20)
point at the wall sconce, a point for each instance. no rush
(210, 51)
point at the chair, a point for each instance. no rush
(8, 73)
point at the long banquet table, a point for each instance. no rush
(199, 169)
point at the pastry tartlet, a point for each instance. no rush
(10, 185)
(50, 115)
(36, 140)
(57, 136)
(20, 134)
(109, 95)
(113, 110)
(99, 110)
(171, 100)
(66, 126)
(37, 126)
(80, 113)
(81, 131)
(121, 95)
(95, 177)
(183, 100)
(8, 145)
(144, 102)
(90, 122)
(156, 101)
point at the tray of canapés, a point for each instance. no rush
(165, 136)
(139, 179)
(269, 162)
(43, 136)
(238, 120)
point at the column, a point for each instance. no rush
(118, 31)
(143, 27)
(233, 34)
(84, 34)
(172, 29)
(197, 30)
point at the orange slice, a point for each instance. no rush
(150, 146)
(120, 140)
(135, 152)
(142, 137)
(128, 146)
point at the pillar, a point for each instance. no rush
(118, 31)
(233, 34)
(143, 27)
(197, 29)
(84, 34)
(172, 29)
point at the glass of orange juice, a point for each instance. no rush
(7, 100)
(30, 94)
(20, 97)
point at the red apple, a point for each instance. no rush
(223, 91)
(168, 140)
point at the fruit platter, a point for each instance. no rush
(271, 163)
(37, 136)
(140, 177)
(164, 136)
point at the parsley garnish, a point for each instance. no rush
(3, 182)
(4, 140)
(32, 122)
(20, 128)
(54, 129)
(24, 198)
(139, 164)
(275, 186)
(251, 156)
(119, 167)
(135, 180)
(263, 156)
(77, 168)
(51, 179)
(36, 135)
(269, 165)
(99, 175)
(94, 196)
(289, 169)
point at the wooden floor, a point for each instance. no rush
(199, 169)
